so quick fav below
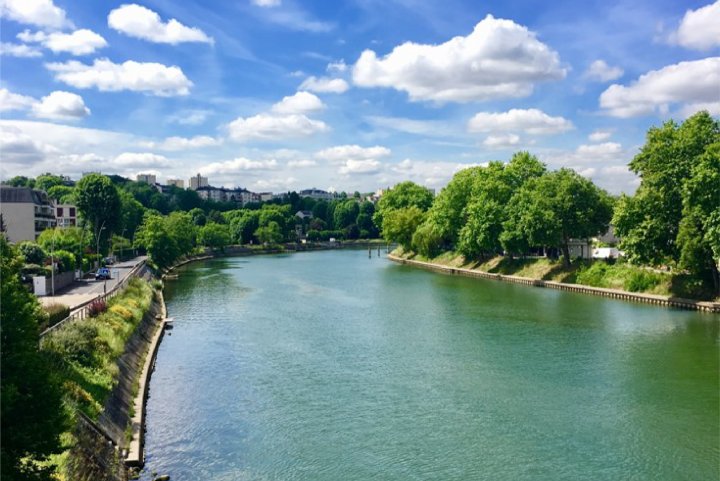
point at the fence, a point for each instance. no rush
(82, 311)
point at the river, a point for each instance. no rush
(332, 366)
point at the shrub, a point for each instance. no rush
(122, 311)
(65, 259)
(33, 253)
(77, 341)
(56, 312)
(34, 270)
(593, 275)
(97, 307)
(641, 281)
(156, 284)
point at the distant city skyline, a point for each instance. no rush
(283, 95)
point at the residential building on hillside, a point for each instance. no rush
(317, 194)
(179, 183)
(198, 181)
(147, 178)
(66, 215)
(25, 213)
(265, 196)
(222, 194)
(304, 214)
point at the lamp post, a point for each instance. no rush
(97, 247)
(52, 262)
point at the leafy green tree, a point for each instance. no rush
(99, 203)
(559, 206)
(317, 224)
(399, 225)
(154, 237)
(672, 216)
(198, 216)
(215, 236)
(427, 239)
(367, 208)
(31, 398)
(448, 211)
(320, 210)
(31, 252)
(271, 234)
(243, 228)
(403, 195)
(62, 193)
(132, 213)
(346, 214)
(47, 181)
(183, 231)
(21, 181)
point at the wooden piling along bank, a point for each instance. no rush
(666, 301)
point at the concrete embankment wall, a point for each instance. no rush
(666, 301)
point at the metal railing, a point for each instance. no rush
(82, 311)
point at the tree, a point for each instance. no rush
(243, 227)
(320, 210)
(399, 225)
(32, 252)
(448, 211)
(180, 226)
(346, 213)
(198, 216)
(31, 398)
(21, 181)
(403, 195)
(671, 218)
(62, 193)
(271, 234)
(215, 236)
(132, 213)
(99, 203)
(47, 181)
(154, 237)
(556, 207)
(427, 239)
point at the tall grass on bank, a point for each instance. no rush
(85, 352)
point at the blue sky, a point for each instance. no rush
(288, 94)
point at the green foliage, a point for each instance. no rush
(47, 181)
(65, 260)
(243, 227)
(62, 193)
(399, 225)
(215, 236)
(427, 239)
(21, 181)
(182, 229)
(674, 217)
(198, 216)
(406, 194)
(132, 214)
(32, 252)
(154, 236)
(271, 234)
(98, 201)
(30, 407)
(56, 312)
(346, 214)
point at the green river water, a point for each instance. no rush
(332, 366)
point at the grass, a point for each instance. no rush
(596, 273)
(85, 353)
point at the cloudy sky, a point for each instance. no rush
(352, 95)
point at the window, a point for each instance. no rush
(72, 211)
(59, 212)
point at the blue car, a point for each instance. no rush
(102, 273)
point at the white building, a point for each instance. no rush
(25, 213)
(197, 182)
(221, 194)
(147, 178)
(179, 183)
(66, 215)
(265, 196)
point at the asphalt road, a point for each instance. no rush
(85, 289)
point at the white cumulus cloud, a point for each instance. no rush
(266, 3)
(79, 42)
(19, 50)
(325, 84)
(11, 101)
(143, 159)
(499, 59)
(339, 66)
(274, 127)
(61, 105)
(239, 164)
(342, 153)
(367, 166)
(43, 13)
(501, 142)
(141, 22)
(300, 103)
(182, 143)
(693, 85)
(699, 29)
(600, 135)
(530, 121)
(599, 70)
(295, 164)
(107, 76)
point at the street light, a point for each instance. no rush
(52, 262)
(97, 251)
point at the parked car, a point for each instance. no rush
(108, 261)
(102, 273)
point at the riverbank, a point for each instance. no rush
(448, 263)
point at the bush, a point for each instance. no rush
(641, 281)
(77, 341)
(593, 275)
(97, 307)
(34, 270)
(65, 260)
(33, 253)
(56, 312)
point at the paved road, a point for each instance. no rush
(86, 289)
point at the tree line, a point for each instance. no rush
(520, 207)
